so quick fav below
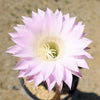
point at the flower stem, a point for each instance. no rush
(57, 95)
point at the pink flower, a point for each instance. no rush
(51, 46)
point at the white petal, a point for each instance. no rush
(24, 63)
(13, 35)
(70, 63)
(34, 14)
(68, 78)
(47, 69)
(29, 79)
(82, 54)
(58, 73)
(77, 31)
(21, 73)
(66, 17)
(57, 12)
(33, 70)
(14, 49)
(50, 82)
(52, 22)
(41, 12)
(82, 43)
(24, 53)
(67, 25)
(59, 21)
(38, 79)
(78, 74)
(27, 20)
(83, 35)
(21, 41)
(82, 63)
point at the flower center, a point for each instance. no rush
(48, 51)
(51, 50)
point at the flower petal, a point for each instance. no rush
(78, 74)
(38, 78)
(70, 63)
(33, 70)
(14, 49)
(21, 73)
(82, 63)
(58, 73)
(77, 31)
(41, 12)
(24, 53)
(50, 82)
(47, 69)
(68, 78)
(23, 63)
(82, 55)
(13, 35)
(29, 79)
(67, 25)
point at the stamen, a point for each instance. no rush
(49, 51)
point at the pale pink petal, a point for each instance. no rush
(58, 22)
(47, 69)
(41, 13)
(34, 15)
(83, 35)
(67, 25)
(29, 79)
(78, 74)
(74, 25)
(27, 20)
(88, 55)
(38, 78)
(21, 73)
(86, 48)
(49, 11)
(50, 82)
(82, 55)
(82, 63)
(68, 78)
(24, 53)
(84, 42)
(14, 49)
(53, 23)
(57, 12)
(22, 41)
(33, 70)
(23, 64)
(79, 45)
(58, 73)
(77, 31)
(66, 17)
(23, 31)
(70, 63)
(13, 35)
(19, 28)
(19, 41)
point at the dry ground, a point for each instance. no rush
(11, 11)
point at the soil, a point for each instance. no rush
(11, 11)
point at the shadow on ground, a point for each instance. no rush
(84, 96)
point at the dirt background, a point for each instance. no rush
(11, 11)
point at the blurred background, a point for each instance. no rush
(11, 11)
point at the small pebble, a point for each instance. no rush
(16, 87)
